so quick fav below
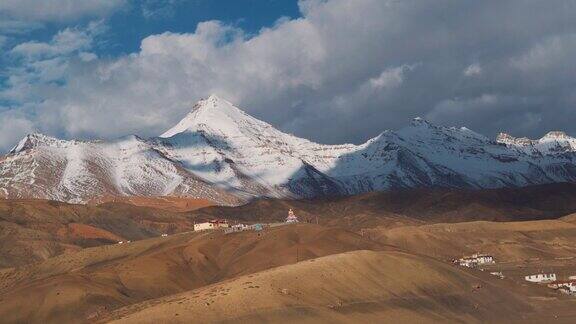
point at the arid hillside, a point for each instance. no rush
(66, 260)
(305, 273)
(169, 203)
(507, 241)
(355, 287)
(413, 206)
(33, 230)
(79, 286)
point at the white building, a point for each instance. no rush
(569, 285)
(498, 274)
(541, 277)
(236, 228)
(566, 286)
(475, 260)
(210, 225)
(239, 227)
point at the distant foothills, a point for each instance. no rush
(221, 154)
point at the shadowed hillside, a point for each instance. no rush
(32, 230)
(410, 207)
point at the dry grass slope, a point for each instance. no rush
(507, 241)
(33, 230)
(76, 287)
(359, 286)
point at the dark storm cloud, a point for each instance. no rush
(344, 72)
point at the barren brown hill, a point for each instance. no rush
(569, 218)
(507, 241)
(32, 230)
(79, 286)
(413, 206)
(356, 287)
(169, 203)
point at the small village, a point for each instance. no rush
(222, 224)
(479, 260)
(227, 228)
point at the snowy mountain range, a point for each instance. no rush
(220, 153)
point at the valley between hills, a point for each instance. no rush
(374, 257)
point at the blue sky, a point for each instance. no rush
(128, 27)
(133, 21)
(331, 71)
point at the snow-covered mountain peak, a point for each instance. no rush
(213, 102)
(556, 142)
(219, 152)
(552, 143)
(554, 135)
(34, 140)
(212, 113)
(508, 139)
(417, 126)
(420, 122)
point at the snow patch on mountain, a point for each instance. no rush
(219, 152)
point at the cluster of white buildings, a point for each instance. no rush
(243, 227)
(475, 260)
(223, 224)
(550, 279)
(564, 286)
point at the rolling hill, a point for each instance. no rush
(74, 287)
(33, 230)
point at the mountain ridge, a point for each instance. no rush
(219, 152)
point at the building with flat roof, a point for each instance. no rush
(541, 277)
(210, 225)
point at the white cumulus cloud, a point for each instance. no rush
(344, 71)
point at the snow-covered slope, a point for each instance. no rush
(219, 152)
(75, 171)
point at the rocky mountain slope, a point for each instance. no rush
(220, 153)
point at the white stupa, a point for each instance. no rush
(291, 217)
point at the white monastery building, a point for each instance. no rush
(291, 217)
